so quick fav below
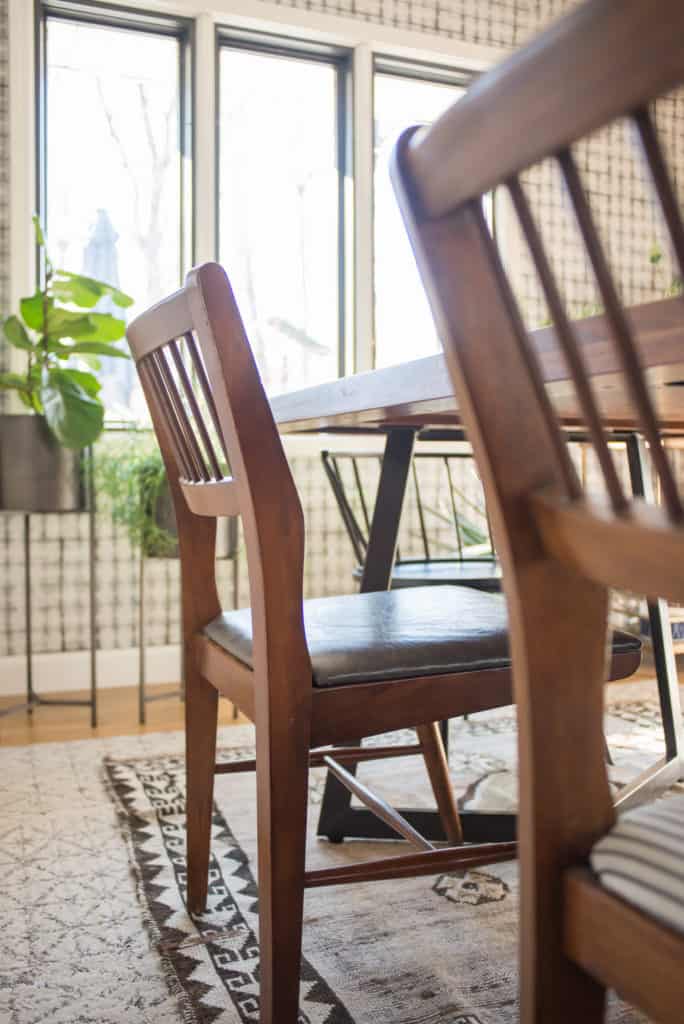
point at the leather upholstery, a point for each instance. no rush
(395, 634)
(482, 575)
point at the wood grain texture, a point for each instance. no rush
(291, 716)
(421, 391)
(560, 553)
(117, 716)
(557, 89)
(438, 771)
(412, 865)
(623, 948)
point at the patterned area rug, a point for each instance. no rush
(94, 922)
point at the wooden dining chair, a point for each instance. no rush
(602, 897)
(471, 563)
(308, 673)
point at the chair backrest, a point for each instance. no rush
(560, 550)
(461, 534)
(210, 412)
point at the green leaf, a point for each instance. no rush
(13, 382)
(92, 285)
(30, 400)
(75, 417)
(16, 335)
(104, 327)
(99, 348)
(66, 323)
(91, 327)
(77, 291)
(32, 310)
(85, 380)
(40, 235)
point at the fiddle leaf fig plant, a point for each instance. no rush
(62, 345)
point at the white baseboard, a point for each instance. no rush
(71, 670)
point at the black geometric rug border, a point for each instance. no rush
(233, 950)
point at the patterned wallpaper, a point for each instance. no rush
(488, 22)
(4, 168)
(625, 213)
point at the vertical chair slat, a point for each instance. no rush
(196, 411)
(662, 182)
(149, 371)
(622, 333)
(454, 509)
(362, 496)
(421, 514)
(194, 452)
(356, 536)
(570, 347)
(206, 389)
(528, 355)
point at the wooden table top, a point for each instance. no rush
(420, 392)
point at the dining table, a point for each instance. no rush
(415, 400)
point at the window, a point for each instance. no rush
(289, 141)
(403, 323)
(281, 216)
(114, 168)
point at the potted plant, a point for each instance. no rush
(62, 338)
(130, 474)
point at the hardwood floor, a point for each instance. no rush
(117, 713)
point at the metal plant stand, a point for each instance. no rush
(144, 698)
(34, 699)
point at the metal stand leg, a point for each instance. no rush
(91, 701)
(671, 768)
(92, 563)
(377, 573)
(142, 699)
(30, 701)
(34, 699)
(338, 819)
(145, 698)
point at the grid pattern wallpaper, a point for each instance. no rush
(59, 544)
(503, 23)
(626, 214)
(4, 172)
(488, 22)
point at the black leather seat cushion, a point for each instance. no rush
(394, 634)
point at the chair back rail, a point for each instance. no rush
(560, 550)
(210, 412)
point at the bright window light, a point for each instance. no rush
(403, 323)
(113, 169)
(279, 211)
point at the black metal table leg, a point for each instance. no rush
(338, 819)
(336, 815)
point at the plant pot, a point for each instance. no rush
(36, 473)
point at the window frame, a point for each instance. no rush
(407, 69)
(338, 58)
(364, 40)
(113, 15)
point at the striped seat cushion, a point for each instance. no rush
(642, 860)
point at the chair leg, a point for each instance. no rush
(282, 792)
(438, 770)
(201, 719)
